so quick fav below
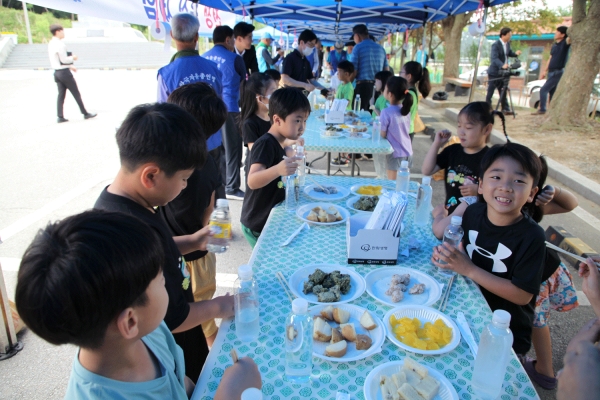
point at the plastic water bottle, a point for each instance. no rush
(301, 165)
(423, 202)
(453, 235)
(357, 103)
(220, 226)
(376, 135)
(298, 343)
(292, 193)
(252, 394)
(403, 178)
(246, 305)
(492, 357)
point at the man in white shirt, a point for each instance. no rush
(62, 63)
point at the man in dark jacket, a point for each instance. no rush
(242, 34)
(499, 61)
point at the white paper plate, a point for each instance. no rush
(379, 280)
(373, 392)
(350, 203)
(363, 135)
(342, 192)
(303, 211)
(377, 335)
(339, 135)
(354, 188)
(297, 279)
(425, 314)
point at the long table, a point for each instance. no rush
(315, 142)
(328, 245)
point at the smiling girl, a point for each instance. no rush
(461, 161)
(503, 248)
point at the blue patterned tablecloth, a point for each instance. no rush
(315, 142)
(328, 245)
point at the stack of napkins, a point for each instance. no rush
(339, 105)
(389, 212)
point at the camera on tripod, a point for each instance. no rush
(511, 70)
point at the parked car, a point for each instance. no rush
(534, 100)
(481, 75)
(535, 85)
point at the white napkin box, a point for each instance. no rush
(370, 246)
(334, 117)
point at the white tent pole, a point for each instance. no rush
(475, 70)
(423, 58)
(27, 22)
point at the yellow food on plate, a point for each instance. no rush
(430, 336)
(344, 126)
(370, 190)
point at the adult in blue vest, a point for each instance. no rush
(263, 53)
(336, 57)
(186, 66)
(233, 69)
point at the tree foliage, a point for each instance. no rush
(526, 18)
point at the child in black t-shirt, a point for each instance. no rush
(503, 248)
(461, 162)
(160, 146)
(254, 115)
(190, 211)
(288, 110)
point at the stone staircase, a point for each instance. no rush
(93, 55)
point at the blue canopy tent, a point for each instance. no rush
(334, 19)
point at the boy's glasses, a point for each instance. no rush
(266, 97)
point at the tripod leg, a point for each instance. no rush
(512, 108)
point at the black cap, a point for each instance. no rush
(351, 43)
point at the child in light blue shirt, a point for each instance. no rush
(95, 280)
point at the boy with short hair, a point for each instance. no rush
(275, 75)
(95, 280)
(288, 111)
(160, 145)
(345, 90)
(190, 211)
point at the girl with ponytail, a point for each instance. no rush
(418, 78)
(395, 123)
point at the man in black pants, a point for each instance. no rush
(499, 60)
(62, 63)
(555, 67)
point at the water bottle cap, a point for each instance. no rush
(299, 306)
(299, 149)
(501, 317)
(245, 271)
(456, 220)
(222, 203)
(252, 394)
(426, 180)
(404, 164)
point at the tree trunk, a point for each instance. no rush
(452, 27)
(570, 102)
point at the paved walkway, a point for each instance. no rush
(49, 171)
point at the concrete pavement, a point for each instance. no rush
(49, 171)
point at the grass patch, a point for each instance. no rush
(12, 20)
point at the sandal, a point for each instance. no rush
(545, 382)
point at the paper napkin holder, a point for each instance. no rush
(334, 117)
(370, 246)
